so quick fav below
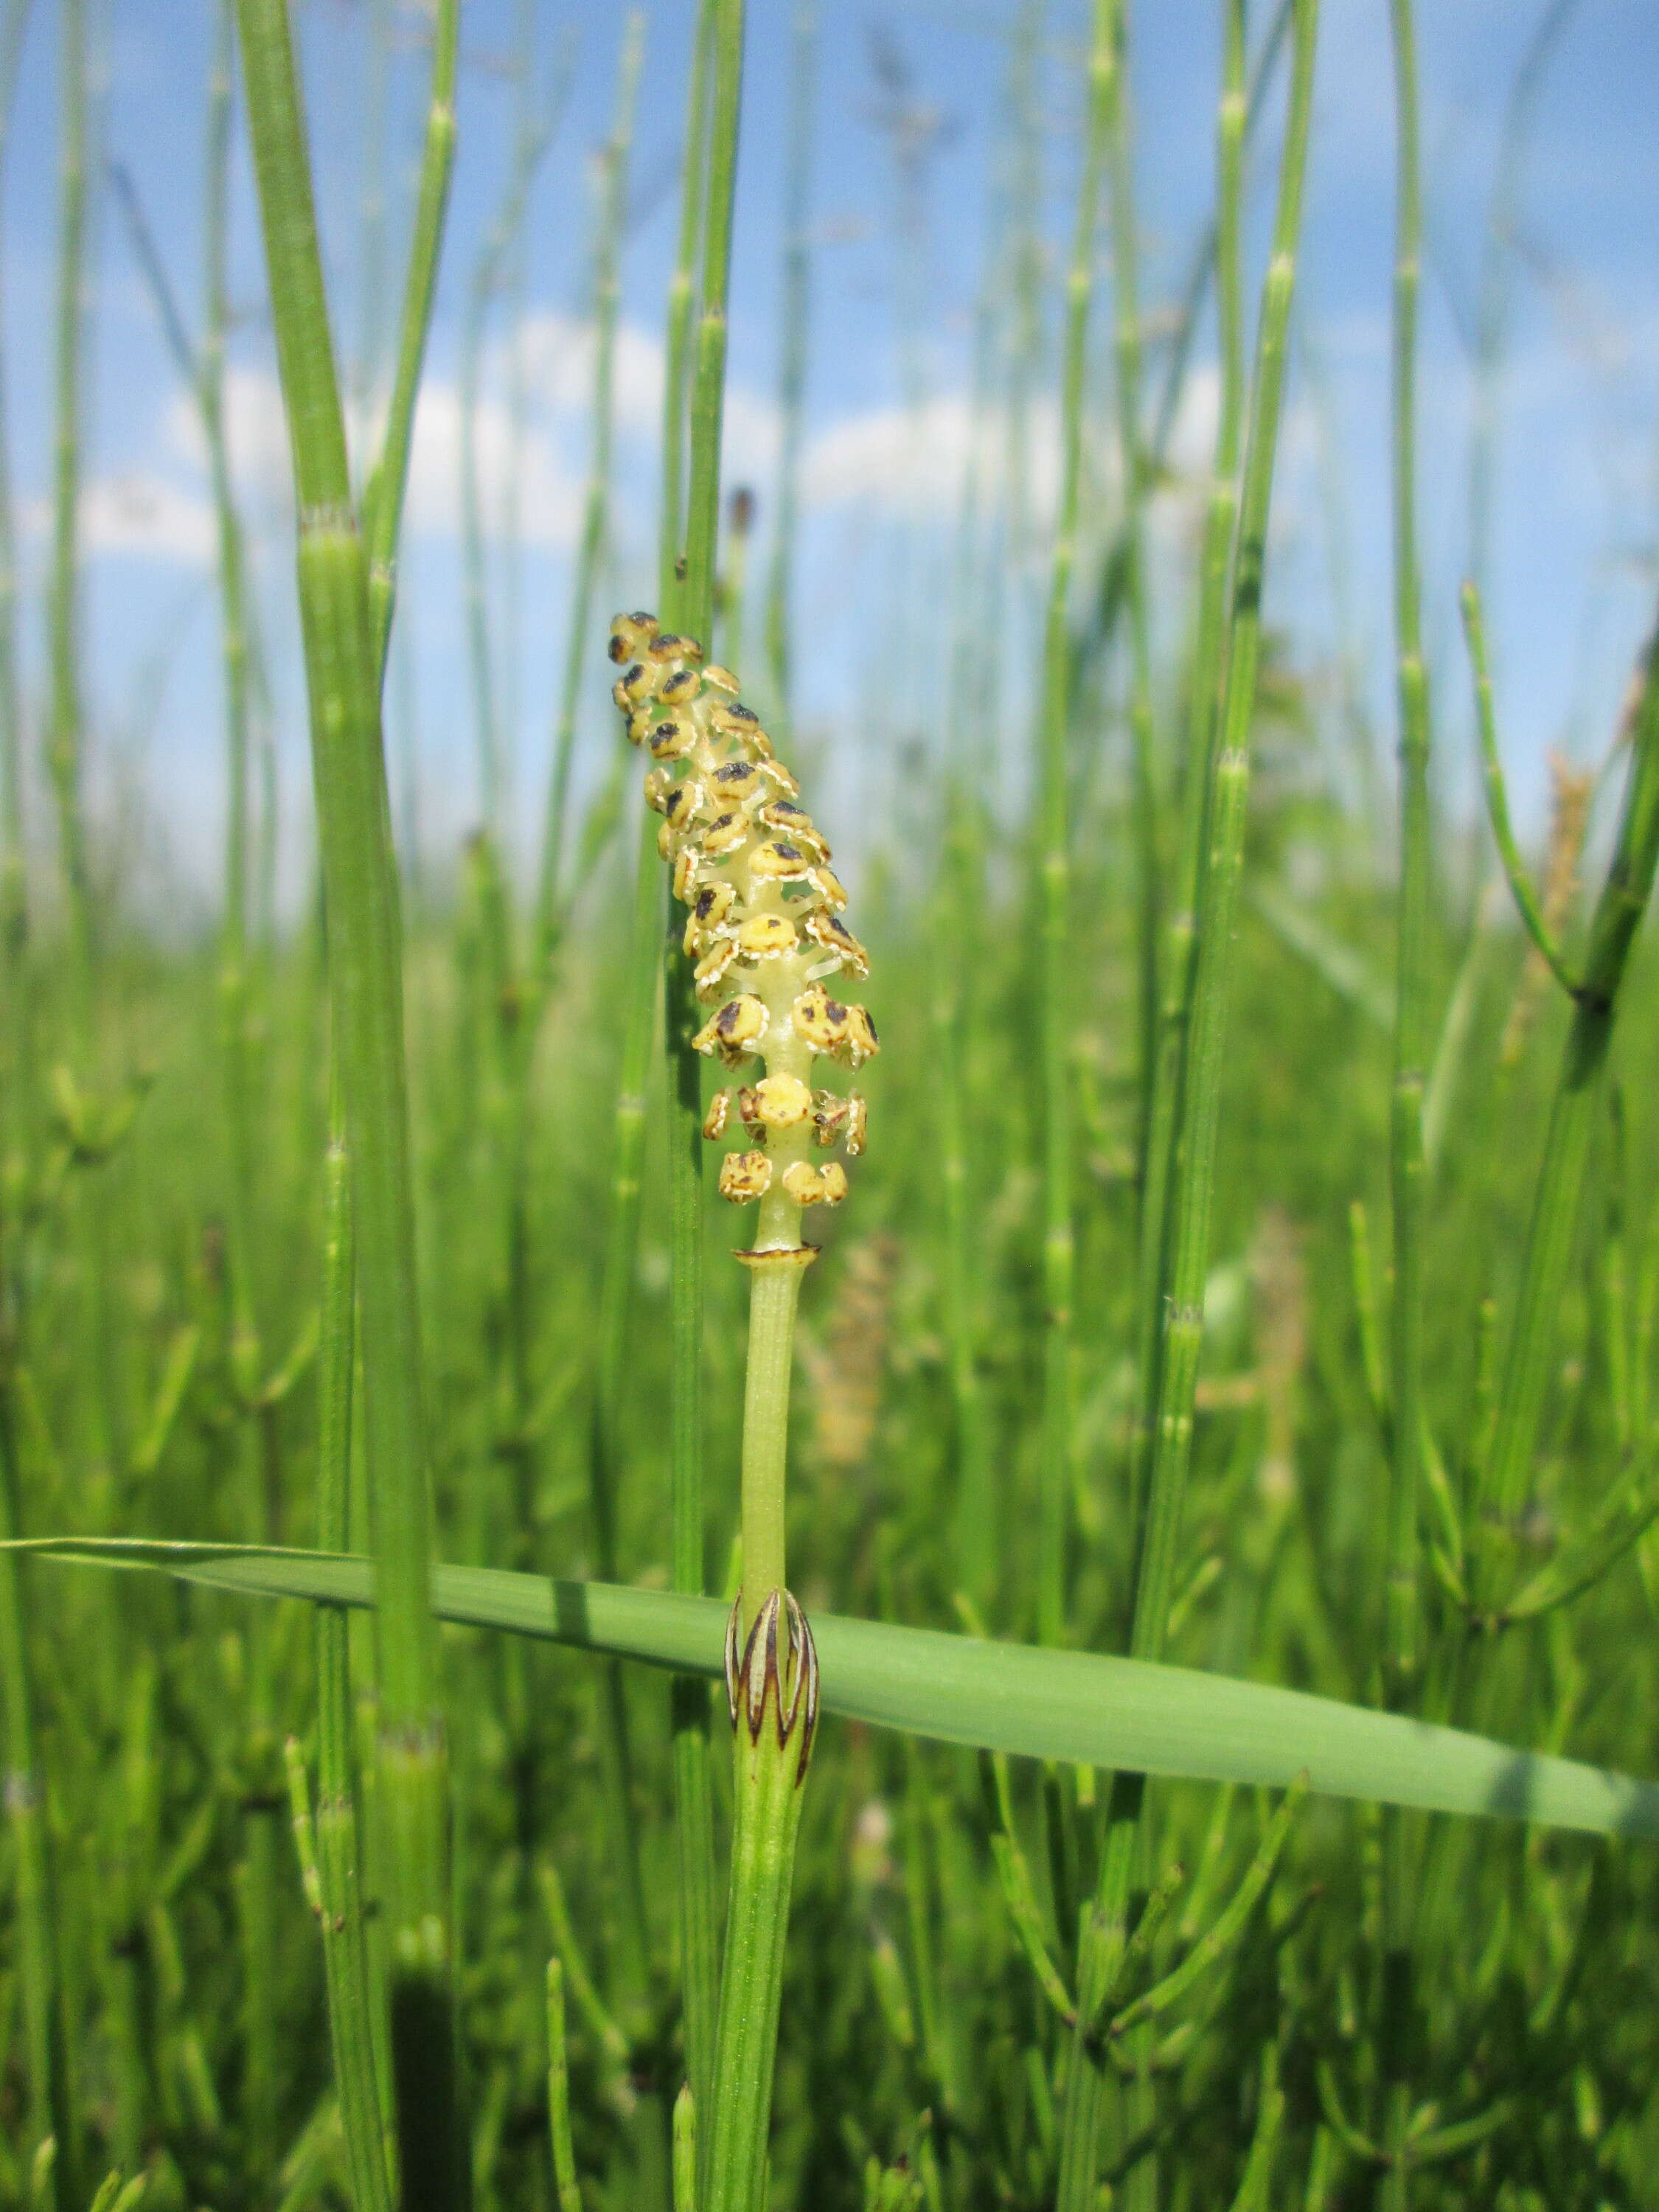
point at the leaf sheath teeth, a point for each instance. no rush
(750, 1687)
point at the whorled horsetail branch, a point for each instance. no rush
(765, 927)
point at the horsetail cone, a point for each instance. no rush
(764, 930)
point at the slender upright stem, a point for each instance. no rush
(494, 257)
(46, 2038)
(15, 1132)
(956, 955)
(261, 1868)
(1495, 292)
(1126, 310)
(793, 333)
(651, 962)
(609, 227)
(1401, 1600)
(1058, 1248)
(681, 300)
(1507, 1476)
(345, 1945)
(383, 497)
(695, 608)
(1198, 1114)
(697, 1884)
(616, 1303)
(343, 678)
(1201, 1081)
(64, 737)
(1203, 719)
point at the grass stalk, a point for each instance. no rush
(344, 679)
(1407, 1170)
(1106, 1926)
(1058, 1240)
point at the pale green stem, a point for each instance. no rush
(1132, 458)
(1401, 1602)
(1506, 1477)
(1498, 805)
(1203, 724)
(681, 300)
(64, 739)
(794, 334)
(345, 1946)
(1058, 950)
(773, 1294)
(15, 1117)
(45, 2046)
(383, 497)
(613, 206)
(697, 1899)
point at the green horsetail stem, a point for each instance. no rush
(65, 734)
(1401, 1657)
(794, 335)
(13, 850)
(702, 221)
(530, 148)
(1133, 460)
(607, 293)
(234, 647)
(1058, 1240)
(338, 1842)
(1105, 1926)
(383, 497)
(765, 933)
(344, 680)
(1203, 724)
(1506, 1477)
(46, 2038)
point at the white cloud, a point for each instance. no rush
(912, 464)
(142, 513)
(527, 461)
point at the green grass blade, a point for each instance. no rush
(1073, 1707)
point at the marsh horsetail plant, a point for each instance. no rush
(1281, 1358)
(770, 950)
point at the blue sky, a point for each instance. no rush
(1573, 567)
